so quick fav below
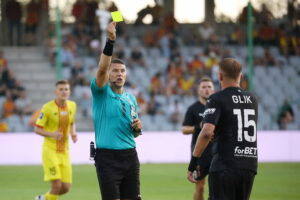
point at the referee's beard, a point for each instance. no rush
(115, 85)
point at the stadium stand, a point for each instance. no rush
(164, 63)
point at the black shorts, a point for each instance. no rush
(231, 184)
(118, 173)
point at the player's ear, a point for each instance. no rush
(220, 76)
(241, 78)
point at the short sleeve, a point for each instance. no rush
(188, 118)
(212, 111)
(74, 110)
(95, 88)
(42, 118)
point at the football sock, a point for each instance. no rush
(51, 196)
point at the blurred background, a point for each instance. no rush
(167, 46)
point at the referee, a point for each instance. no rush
(191, 125)
(231, 118)
(116, 125)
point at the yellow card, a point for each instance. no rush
(116, 16)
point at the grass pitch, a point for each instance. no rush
(274, 181)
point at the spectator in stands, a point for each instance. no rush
(32, 18)
(211, 62)
(142, 103)
(286, 116)
(3, 68)
(13, 13)
(265, 15)
(90, 14)
(185, 83)
(120, 52)
(175, 111)
(9, 106)
(153, 107)
(266, 35)
(196, 66)
(170, 23)
(136, 57)
(133, 89)
(3, 126)
(23, 104)
(268, 58)
(156, 12)
(3, 61)
(78, 10)
(238, 36)
(82, 93)
(2, 91)
(243, 16)
(205, 32)
(156, 85)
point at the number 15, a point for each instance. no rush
(247, 123)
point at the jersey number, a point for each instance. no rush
(247, 124)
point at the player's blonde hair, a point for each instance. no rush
(231, 68)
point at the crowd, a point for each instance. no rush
(167, 59)
(31, 12)
(15, 107)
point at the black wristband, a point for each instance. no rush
(193, 164)
(109, 47)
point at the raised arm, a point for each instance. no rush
(105, 59)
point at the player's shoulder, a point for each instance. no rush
(71, 103)
(215, 96)
(49, 104)
(196, 104)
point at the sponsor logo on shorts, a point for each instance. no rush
(52, 171)
(245, 152)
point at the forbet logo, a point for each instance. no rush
(246, 152)
(209, 111)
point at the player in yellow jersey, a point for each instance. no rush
(55, 122)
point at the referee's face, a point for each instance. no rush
(205, 89)
(117, 74)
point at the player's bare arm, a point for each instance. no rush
(40, 131)
(73, 133)
(188, 130)
(103, 67)
(204, 138)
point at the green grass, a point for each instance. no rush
(276, 181)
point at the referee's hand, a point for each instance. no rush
(111, 31)
(137, 125)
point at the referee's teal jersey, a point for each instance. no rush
(113, 115)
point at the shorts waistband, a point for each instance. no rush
(99, 150)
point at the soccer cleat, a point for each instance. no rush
(39, 197)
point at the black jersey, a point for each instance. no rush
(234, 113)
(193, 116)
